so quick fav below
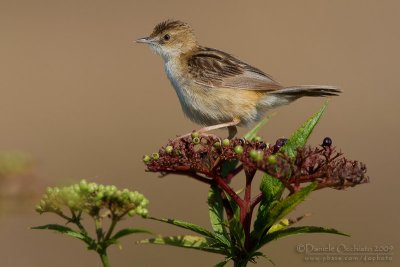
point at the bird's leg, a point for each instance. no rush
(230, 125)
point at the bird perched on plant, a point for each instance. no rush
(216, 89)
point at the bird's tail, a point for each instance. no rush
(308, 90)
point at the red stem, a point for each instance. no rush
(234, 172)
(257, 199)
(224, 186)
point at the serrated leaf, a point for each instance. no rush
(186, 225)
(298, 230)
(280, 210)
(301, 135)
(253, 132)
(216, 211)
(66, 231)
(187, 241)
(272, 189)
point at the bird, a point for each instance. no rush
(216, 89)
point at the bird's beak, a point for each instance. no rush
(145, 40)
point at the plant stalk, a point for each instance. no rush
(240, 263)
(104, 258)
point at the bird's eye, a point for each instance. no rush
(166, 37)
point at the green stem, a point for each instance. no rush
(77, 220)
(111, 229)
(104, 258)
(99, 229)
(240, 263)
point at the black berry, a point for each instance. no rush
(279, 143)
(327, 141)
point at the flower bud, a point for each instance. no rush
(169, 149)
(132, 212)
(83, 185)
(155, 156)
(238, 149)
(217, 144)
(195, 134)
(256, 155)
(39, 209)
(225, 142)
(272, 159)
(196, 140)
(146, 159)
(257, 139)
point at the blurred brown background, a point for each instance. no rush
(86, 102)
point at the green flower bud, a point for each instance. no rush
(83, 185)
(238, 149)
(146, 159)
(144, 213)
(91, 188)
(39, 209)
(132, 212)
(132, 196)
(217, 144)
(113, 188)
(195, 134)
(155, 156)
(225, 142)
(77, 188)
(196, 140)
(169, 149)
(272, 159)
(256, 155)
(257, 139)
(99, 195)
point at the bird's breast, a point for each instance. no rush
(210, 106)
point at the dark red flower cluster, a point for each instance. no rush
(206, 157)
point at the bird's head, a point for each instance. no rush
(170, 38)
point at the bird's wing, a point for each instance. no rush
(217, 69)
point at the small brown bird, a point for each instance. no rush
(216, 89)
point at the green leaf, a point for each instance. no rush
(272, 189)
(298, 230)
(122, 233)
(253, 132)
(280, 210)
(279, 226)
(216, 211)
(228, 166)
(186, 225)
(129, 231)
(66, 231)
(301, 135)
(235, 227)
(187, 241)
